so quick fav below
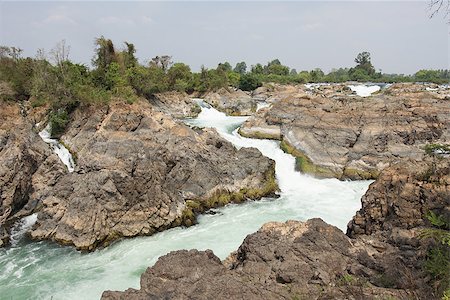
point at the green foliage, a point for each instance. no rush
(276, 68)
(257, 69)
(433, 149)
(234, 79)
(241, 68)
(225, 67)
(249, 82)
(58, 121)
(437, 76)
(438, 258)
(179, 76)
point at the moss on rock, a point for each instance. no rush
(221, 198)
(356, 174)
(304, 164)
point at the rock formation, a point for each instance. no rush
(382, 258)
(138, 172)
(22, 154)
(231, 102)
(336, 134)
(177, 105)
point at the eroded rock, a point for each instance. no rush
(334, 133)
(139, 171)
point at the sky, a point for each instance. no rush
(302, 34)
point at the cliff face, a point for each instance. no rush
(315, 260)
(138, 172)
(22, 154)
(336, 134)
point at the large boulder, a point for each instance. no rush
(289, 260)
(139, 171)
(232, 102)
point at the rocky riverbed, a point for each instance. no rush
(335, 133)
(138, 171)
(318, 261)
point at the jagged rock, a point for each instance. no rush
(22, 152)
(336, 134)
(178, 105)
(280, 261)
(231, 102)
(139, 171)
(314, 260)
(403, 195)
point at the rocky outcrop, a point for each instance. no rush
(232, 102)
(22, 154)
(292, 260)
(336, 134)
(175, 104)
(139, 171)
(395, 205)
(314, 260)
(256, 127)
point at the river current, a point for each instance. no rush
(43, 270)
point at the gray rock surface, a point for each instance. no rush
(22, 153)
(336, 134)
(232, 102)
(138, 172)
(314, 260)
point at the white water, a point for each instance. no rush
(62, 152)
(42, 270)
(262, 104)
(364, 90)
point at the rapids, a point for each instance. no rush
(43, 270)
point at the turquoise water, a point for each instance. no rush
(43, 270)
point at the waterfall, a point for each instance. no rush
(62, 152)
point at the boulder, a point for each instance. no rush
(232, 102)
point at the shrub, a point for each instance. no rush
(249, 82)
(58, 121)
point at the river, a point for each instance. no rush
(44, 270)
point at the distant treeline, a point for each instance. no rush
(52, 78)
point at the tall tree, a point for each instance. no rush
(363, 62)
(241, 67)
(226, 67)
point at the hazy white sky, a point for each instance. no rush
(303, 35)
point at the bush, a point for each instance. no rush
(58, 121)
(249, 82)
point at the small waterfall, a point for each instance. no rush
(364, 90)
(21, 227)
(62, 152)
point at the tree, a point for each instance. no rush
(241, 67)
(316, 75)
(364, 63)
(129, 58)
(226, 67)
(104, 53)
(163, 62)
(249, 82)
(293, 72)
(275, 67)
(257, 69)
(179, 74)
(439, 5)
